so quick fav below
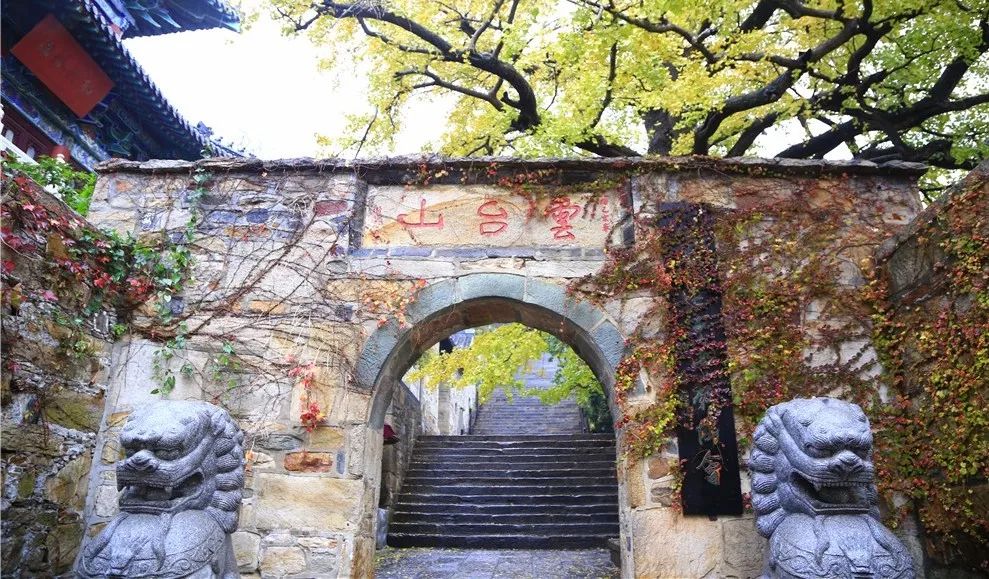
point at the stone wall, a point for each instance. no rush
(405, 417)
(445, 410)
(931, 293)
(462, 409)
(56, 346)
(358, 268)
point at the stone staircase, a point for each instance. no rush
(526, 415)
(508, 492)
(526, 479)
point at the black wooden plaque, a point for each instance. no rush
(711, 484)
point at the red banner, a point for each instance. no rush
(54, 56)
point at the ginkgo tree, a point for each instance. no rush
(892, 80)
(499, 356)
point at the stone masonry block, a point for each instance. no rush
(582, 313)
(246, 547)
(545, 294)
(374, 354)
(330, 207)
(431, 299)
(308, 461)
(282, 561)
(305, 502)
(669, 545)
(745, 550)
(610, 341)
(492, 285)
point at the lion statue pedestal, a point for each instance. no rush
(815, 498)
(181, 483)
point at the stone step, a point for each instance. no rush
(521, 415)
(517, 419)
(517, 450)
(501, 499)
(503, 508)
(510, 481)
(486, 528)
(527, 409)
(496, 397)
(512, 453)
(507, 489)
(569, 459)
(527, 430)
(515, 541)
(525, 425)
(610, 517)
(486, 464)
(501, 444)
(534, 414)
(562, 438)
(534, 448)
(521, 473)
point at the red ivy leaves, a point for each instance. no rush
(305, 375)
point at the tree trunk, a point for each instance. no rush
(660, 131)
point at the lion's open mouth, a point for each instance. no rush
(145, 497)
(833, 496)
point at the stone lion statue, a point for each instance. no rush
(814, 494)
(181, 482)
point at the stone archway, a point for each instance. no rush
(469, 301)
(315, 231)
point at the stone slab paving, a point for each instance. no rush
(421, 563)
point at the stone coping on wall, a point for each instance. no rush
(414, 169)
(927, 217)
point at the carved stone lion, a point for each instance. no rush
(814, 494)
(181, 483)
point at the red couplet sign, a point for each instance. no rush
(54, 56)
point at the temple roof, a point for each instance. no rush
(89, 24)
(152, 17)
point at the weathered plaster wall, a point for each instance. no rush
(461, 409)
(445, 410)
(54, 373)
(360, 267)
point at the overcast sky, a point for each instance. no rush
(264, 93)
(259, 90)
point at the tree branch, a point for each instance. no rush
(436, 81)
(525, 104)
(772, 91)
(751, 133)
(600, 146)
(662, 27)
(608, 91)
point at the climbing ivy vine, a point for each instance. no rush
(73, 187)
(807, 313)
(933, 431)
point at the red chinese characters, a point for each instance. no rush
(561, 210)
(403, 218)
(494, 218)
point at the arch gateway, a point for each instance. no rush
(316, 284)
